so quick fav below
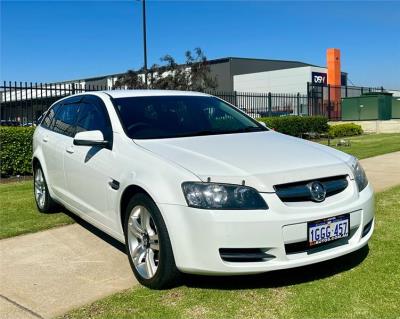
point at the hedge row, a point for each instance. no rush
(346, 129)
(297, 125)
(16, 150)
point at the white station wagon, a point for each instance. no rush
(191, 184)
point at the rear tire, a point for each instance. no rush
(44, 202)
(148, 244)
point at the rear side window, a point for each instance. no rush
(50, 116)
(65, 119)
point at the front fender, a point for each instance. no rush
(159, 178)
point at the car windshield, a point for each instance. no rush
(152, 117)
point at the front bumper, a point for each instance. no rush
(198, 235)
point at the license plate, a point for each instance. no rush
(326, 230)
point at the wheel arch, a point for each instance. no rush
(127, 194)
(35, 162)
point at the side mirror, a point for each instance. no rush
(90, 138)
(262, 123)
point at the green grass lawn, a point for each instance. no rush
(18, 212)
(361, 285)
(369, 145)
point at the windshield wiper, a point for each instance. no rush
(212, 132)
(200, 133)
(248, 129)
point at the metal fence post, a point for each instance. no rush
(329, 101)
(269, 104)
(308, 99)
(298, 103)
(73, 88)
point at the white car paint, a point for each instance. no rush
(160, 166)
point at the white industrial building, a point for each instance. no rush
(293, 80)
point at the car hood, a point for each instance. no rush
(261, 159)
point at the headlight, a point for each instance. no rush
(222, 196)
(359, 175)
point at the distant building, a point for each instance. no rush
(243, 74)
(290, 80)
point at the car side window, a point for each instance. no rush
(48, 119)
(93, 116)
(65, 119)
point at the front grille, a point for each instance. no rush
(302, 247)
(299, 191)
(244, 255)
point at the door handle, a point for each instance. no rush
(69, 149)
(45, 139)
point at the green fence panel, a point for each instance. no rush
(370, 106)
(396, 107)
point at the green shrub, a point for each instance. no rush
(297, 125)
(16, 150)
(346, 129)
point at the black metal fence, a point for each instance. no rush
(23, 103)
(266, 104)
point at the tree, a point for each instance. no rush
(130, 79)
(193, 75)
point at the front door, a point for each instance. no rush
(88, 168)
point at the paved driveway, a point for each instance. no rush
(50, 272)
(383, 171)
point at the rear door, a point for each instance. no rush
(48, 140)
(60, 132)
(89, 169)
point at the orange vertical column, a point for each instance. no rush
(334, 80)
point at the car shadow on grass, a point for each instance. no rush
(280, 278)
(273, 279)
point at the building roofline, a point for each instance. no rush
(212, 61)
(227, 59)
(92, 78)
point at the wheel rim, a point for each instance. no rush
(143, 242)
(40, 188)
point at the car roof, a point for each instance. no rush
(134, 93)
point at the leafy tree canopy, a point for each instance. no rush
(193, 75)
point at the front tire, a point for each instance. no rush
(44, 202)
(148, 244)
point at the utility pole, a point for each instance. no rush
(144, 41)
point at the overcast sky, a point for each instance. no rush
(61, 40)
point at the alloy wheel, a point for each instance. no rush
(143, 242)
(40, 188)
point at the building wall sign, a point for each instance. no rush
(319, 78)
